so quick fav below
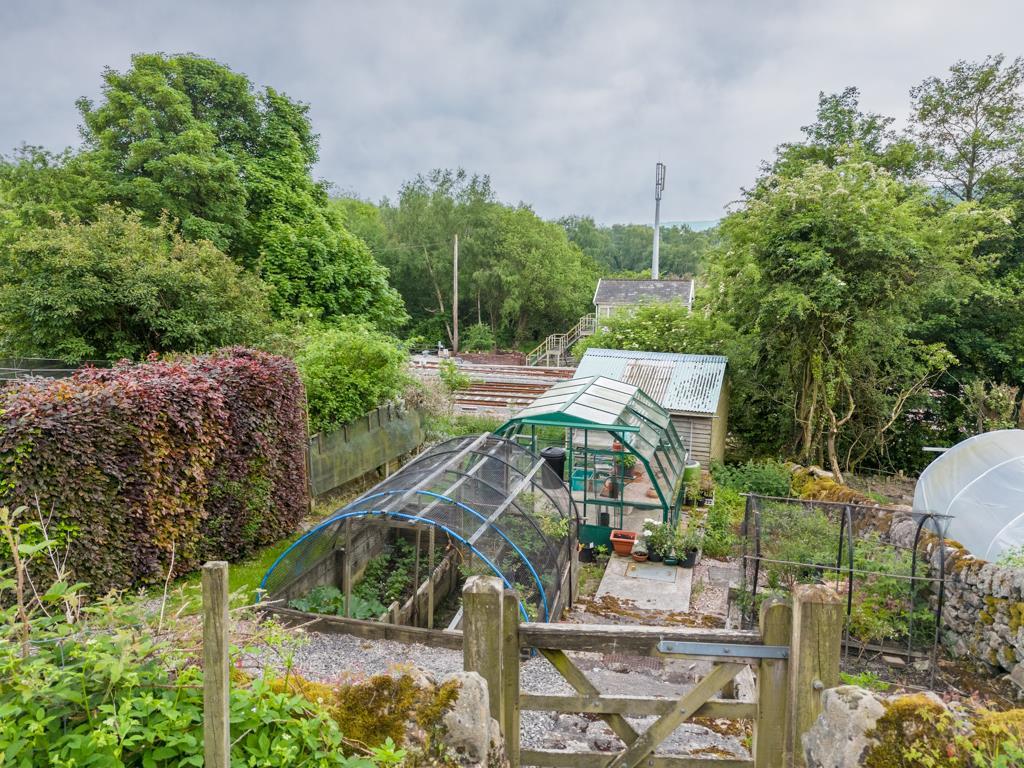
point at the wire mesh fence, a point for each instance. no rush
(893, 594)
(500, 502)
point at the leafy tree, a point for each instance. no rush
(117, 288)
(348, 370)
(186, 136)
(823, 275)
(842, 130)
(661, 327)
(517, 273)
(971, 125)
(626, 248)
(479, 338)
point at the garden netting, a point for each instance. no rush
(496, 499)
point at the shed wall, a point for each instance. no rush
(696, 432)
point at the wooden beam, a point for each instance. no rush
(346, 575)
(510, 674)
(430, 570)
(687, 705)
(579, 681)
(370, 630)
(506, 502)
(624, 639)
(770, 748)
(482, 599)
(818, 617)
(216, 667)
(635, 706)
(560, 759)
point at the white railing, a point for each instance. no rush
(554, 350)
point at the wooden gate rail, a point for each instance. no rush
(795, 655)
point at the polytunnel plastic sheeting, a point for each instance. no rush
(495, 498)
(980, 483)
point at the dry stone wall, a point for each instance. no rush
(983, 605)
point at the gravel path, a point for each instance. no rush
(338, 657)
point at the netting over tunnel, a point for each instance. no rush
(501, 504)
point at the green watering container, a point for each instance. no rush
(691, 472)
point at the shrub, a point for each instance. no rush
(118, 288)
(349, 370)
(479, 338)
(137, 464)
(722, 522)
(766, 477)
(107, 685)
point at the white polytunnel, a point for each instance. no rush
(980, 484)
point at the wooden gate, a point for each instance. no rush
(794, 655)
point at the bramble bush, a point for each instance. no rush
(139, 465)
(766, 477)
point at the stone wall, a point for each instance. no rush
(859, 728)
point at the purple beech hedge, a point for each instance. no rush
(203, 457)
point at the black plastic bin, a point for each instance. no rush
(555, 458)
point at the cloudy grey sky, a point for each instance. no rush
(567, 105)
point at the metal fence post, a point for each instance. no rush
(216, 670)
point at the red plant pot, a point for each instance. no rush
(622, 542)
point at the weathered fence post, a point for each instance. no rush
(814, 654)
(482, 633)
(772, 688)
(216, 671)
(510, 675)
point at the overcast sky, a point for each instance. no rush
(567, 105)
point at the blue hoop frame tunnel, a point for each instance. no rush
(495, 500)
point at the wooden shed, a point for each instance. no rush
(692, 388)
(612, 295)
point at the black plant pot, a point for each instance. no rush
(689, 560)
(604, 518)
(655, 557)
(588, 554)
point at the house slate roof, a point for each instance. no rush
(627, 292)
(678, 383)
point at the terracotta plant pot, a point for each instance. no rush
(622, 542)
(640, 558)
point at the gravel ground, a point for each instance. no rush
(339, 657)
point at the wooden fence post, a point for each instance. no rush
(772, 688)
(813, 657)
(482, 632)
(216, 670)
(510, 675)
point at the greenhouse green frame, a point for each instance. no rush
(600, 422)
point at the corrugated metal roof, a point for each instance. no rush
(691, 383)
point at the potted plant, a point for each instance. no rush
(587, 553)
(688, 546)
(639, 550)
(658, 538)
(671, 558)
(622, 542)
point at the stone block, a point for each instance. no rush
(838, 737)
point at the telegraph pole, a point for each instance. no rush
(659, 185)
(455, 297)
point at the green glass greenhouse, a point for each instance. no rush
(624, 460)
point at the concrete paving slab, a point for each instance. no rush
(649, 586)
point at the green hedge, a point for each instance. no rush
(202, 457)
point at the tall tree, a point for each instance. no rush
(186, 136)
(841, 130)
(824, 274)
(971, 124)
